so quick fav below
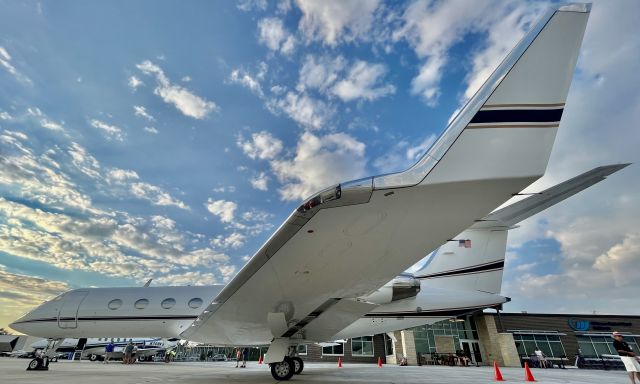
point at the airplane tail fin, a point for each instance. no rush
(508, 127)
(474, 260)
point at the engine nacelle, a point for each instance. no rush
(402, 287)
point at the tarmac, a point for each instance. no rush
(12, 370)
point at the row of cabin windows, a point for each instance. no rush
(167, 303)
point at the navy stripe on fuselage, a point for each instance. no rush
(109, 318)
(494, 265)
(517, 116)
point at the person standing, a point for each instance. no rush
(108, 352)
(238, 356)
(245, 357)
(128, 351)
(628, 357)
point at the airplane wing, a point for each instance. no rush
(538, 202)
(352, 238)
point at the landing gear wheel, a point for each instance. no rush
(93, 357)
(283, 370)
(54, 359)
(298, 365)
(33, 364)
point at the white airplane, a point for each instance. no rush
(321, 271)
(94, 348)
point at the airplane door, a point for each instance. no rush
(68, 313)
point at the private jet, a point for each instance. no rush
(334, 268)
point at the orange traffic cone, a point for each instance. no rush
(260, 359)
(496, 371)
(339, 362)
(379, 362)
(528, 376)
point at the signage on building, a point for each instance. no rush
(582, 325)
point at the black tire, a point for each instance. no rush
(283, 370)
(54, 359)
(93, 357)
(298, 365)
(33, 364)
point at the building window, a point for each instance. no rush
(195, 303)
(168, 303)
(114, 304)
(333, 350)
(595, 346)
(362, 346)
(549, 344)
(460, 328)
(302, 349)
(141, 304)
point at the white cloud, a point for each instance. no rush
(245, 79)
(234, 240)
(5, 62)
(111, 131)
(273, 34)
(224, 209)
(151, 130)
(319, 162)
(308, 112)
(260, 182)
(363, 82)
(134, 82)
(142, 112)
(117, 175)
(334, 21)
(252, 5)
(5, 116)
(155, 195)
(184, 100)
(402, 154)
(320, 72)
(261, 146)
(84, 161)
(52, 125)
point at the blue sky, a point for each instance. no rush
(152, 139)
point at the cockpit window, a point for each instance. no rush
(195, 303)
(141, 304)
(115, 304)
(168, 303)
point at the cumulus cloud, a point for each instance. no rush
(319, 162)
(142, 112)
(262, 145)
(363, 82)
(260, 181)
(151, 130)
(273, 34)
(111, 131)
(252, 5)
(245, 79)
(52, 125)
(117, 175)
(402, 154)
(84, 161)
(335, 21)
(225, 210)
(184, 100)
(155, 195)
(233, 240)
(305, 110)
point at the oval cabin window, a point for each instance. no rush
(168, 303)
(141, 304)
(115, 304)
(195, 303)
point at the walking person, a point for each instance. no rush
(628, 357)
(108, 352)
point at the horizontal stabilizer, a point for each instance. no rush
(523, 209)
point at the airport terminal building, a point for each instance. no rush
(507, 338)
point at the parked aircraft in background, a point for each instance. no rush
(94, 348)
(328, 265)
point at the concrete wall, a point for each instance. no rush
(496, 346)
